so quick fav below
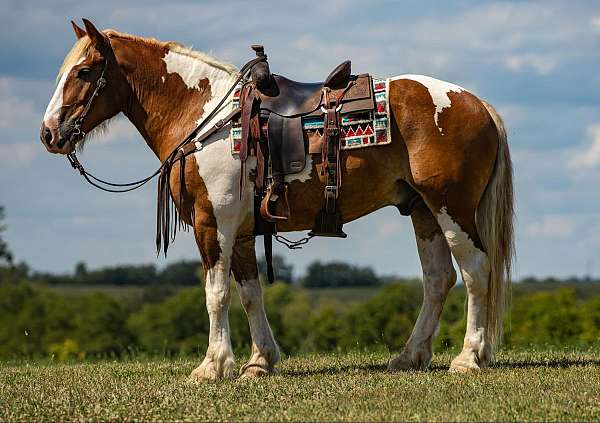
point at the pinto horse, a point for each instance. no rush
(449, 146)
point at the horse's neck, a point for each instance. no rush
(172, 96)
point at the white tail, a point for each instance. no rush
(494, 222)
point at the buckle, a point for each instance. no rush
(332, 131)
(331, 189)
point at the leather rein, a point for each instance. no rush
(165, 232)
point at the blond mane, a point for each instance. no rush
(83, 45)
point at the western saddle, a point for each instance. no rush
(273, 108)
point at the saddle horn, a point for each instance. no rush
(261, 75)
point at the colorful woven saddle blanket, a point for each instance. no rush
(359, 129)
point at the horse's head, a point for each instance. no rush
(91, 88)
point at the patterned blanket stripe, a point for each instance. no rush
(358, 130)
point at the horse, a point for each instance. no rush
(448, 146)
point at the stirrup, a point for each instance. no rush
(266, 202)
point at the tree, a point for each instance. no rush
(81, 270)
(338, 274)
(284, 271)
(5, 254)
(184, 272)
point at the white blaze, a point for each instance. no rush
(56, 102)
(438, 90)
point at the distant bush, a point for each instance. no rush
(338, 274)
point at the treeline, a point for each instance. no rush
(185, 272)
(42, 322)
(189, 273)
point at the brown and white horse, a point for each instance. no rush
(447, 144)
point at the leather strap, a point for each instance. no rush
(268, 244)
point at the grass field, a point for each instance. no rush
(523, 386)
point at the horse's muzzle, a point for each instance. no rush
(54, 140)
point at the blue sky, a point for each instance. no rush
(537, 62)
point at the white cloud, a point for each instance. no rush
(16, 111)
(596, 23)
(587, 156)
(552, 226)
(14, 155)
(541, 64)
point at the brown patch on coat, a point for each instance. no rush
(243, 260)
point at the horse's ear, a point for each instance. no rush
(79, 32)
(99, 40)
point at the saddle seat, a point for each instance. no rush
(289, 98)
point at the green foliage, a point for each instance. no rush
(37, 321)
(177, 325)
(338, 274)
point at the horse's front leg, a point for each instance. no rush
(216, 258)
(265, 352)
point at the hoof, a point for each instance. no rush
(209, 371)
(406, 361)
(254, 371)
(464, 363)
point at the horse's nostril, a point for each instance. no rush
(47, 135)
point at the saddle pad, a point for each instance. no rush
(360, 129)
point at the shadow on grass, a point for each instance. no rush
(558, 363)
(371, 368)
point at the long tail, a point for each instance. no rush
(495, 226)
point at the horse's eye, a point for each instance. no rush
(83, 73)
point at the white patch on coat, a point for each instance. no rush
(220, 169)
(162, 78)
(464, 250)
(192, 70)
(305, 174)
(53, 109)
(438, 90)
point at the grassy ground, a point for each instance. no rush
(521, 386)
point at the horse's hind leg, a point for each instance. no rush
(265, 352)
(461, 233)
(438, 277)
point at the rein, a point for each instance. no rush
(164, 233)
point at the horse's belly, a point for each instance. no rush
(369, 182)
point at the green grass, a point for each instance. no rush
(533, 386)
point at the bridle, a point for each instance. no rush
(186, 147)
(77, 133)
(100, 84)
